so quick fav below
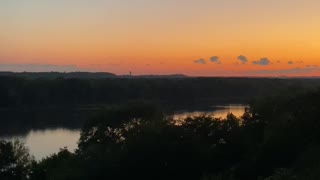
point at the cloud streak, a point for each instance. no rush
(200, 61)
(243, 59)
(282, 72)
(262, 62)
(215, 59)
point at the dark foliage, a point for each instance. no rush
(15, 161)
(276, 138)
(188, 92)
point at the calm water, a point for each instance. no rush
(43, 143)
(219, 111)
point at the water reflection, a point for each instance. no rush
(43, 143)
(219, 111)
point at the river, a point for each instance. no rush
(47, 141)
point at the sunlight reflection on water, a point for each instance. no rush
(219, 112)
(43, 143)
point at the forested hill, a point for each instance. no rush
(81, 75)
(54, 75)
(42, 92)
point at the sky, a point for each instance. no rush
(192, 37)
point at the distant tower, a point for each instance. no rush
(130, 73)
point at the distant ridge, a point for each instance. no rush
(108, 75)
(155, 76)
(54, 75)
(82, 75)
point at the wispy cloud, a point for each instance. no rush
(312, 66)
(282, 72)
(200, 61)
(243, 59)
(295, 62)
(215, 59)
(262, 62)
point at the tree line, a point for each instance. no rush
(277, 138)
(17, 92)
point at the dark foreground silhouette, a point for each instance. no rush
(277, 138)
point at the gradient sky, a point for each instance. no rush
(193, 37)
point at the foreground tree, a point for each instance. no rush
(15, 161)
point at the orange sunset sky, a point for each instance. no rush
(192, 37)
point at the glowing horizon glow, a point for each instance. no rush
(164, 36)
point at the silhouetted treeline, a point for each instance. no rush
(54, 75)
(277, 138)
(82, 75)
(189, 92)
